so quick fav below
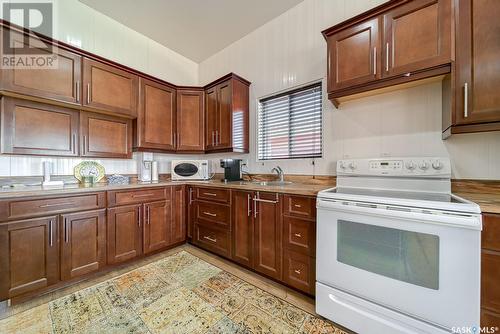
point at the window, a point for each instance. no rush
(290, 124)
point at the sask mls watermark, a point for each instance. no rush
(23, 51)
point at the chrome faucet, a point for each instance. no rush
(280, 172)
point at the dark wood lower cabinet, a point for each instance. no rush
(490, 271)
(29, 256)
(242, 227)
(299, 271)
(178, 227)
(213, 238)
(124, 233)
(157, 225)
(83, 243)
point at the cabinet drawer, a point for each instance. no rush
(300, 206)
(299, 271)
(490, 237)
(490, 276)
(213, 194)
(137, 196)
(212, 239)
(489, 319)
(45, 206)
(299, 235)
(213, 213)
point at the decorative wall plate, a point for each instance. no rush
(89, 168)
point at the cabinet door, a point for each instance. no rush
(124, 233)
(267, 235)
(109, 88)
(223, 131)
(60, 82)
(156, 117)
(29, 256)
(242, 227)
(417, 36)
(211, 117)
(178, 230)
(353, 56)
(190, 121)
(36, 128)
(478, 62)
(83, 243)
(105, 136)
(157, 225)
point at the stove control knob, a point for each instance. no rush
(342, 165)
(352, 166)
(424, 165)
(411, 165)
(437, 165)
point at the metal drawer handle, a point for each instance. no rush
(77, 84)
(66, 232)
(210, 239)
(297, 271)
(298, 235)
(249, 210)
(297, 205)
(210, 214)
(51, 236)
(387, 57)
(375, 61)
(144, 195)
(466, 100)
(55, 204)
(210, 194)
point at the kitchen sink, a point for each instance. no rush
(272, 183)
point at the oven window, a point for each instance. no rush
(403, 255)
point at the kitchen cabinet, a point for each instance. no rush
(470, 94)
(190, 121)
(299, 271)
(178, 230)
(190, 213)
(38, 129)
(124, 233)
(109, 88)
(490, 270)
(416, 36)
(243, 228)
(393, 44)
(156, 120)
(157, 225)
(105, 136)
(227, 115)
(352, 55)
(83, 243)
(29, 255)
(60, 82)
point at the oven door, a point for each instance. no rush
(424, 265)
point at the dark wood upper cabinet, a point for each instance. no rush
(190, 121)
(124, 233)
(395, 43)
(157, 225)
(353, 54)
(83, 243)
(416, 36)
(29, 255)
(472, 90)
(178, 225)
(242, 227)
(60, 82)
(105, 136)
(36, 128)
(227, 115)
(155, 126)
(109, 88)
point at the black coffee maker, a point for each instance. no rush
(232, 169)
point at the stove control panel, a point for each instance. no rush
(411, 167)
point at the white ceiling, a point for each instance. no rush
(196, 29)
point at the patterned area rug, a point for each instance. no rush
(177, 294)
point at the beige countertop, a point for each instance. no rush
(293, 188)
(489, 203)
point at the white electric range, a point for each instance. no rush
(396, 251)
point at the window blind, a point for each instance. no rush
(290, 124)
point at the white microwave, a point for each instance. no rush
(190, 170)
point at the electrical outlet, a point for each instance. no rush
(244, 162)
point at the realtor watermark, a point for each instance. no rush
(475, 330)
(28, 51)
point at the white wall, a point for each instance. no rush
(290, 51)
(82, 26)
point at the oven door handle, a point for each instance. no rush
(469, 221)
